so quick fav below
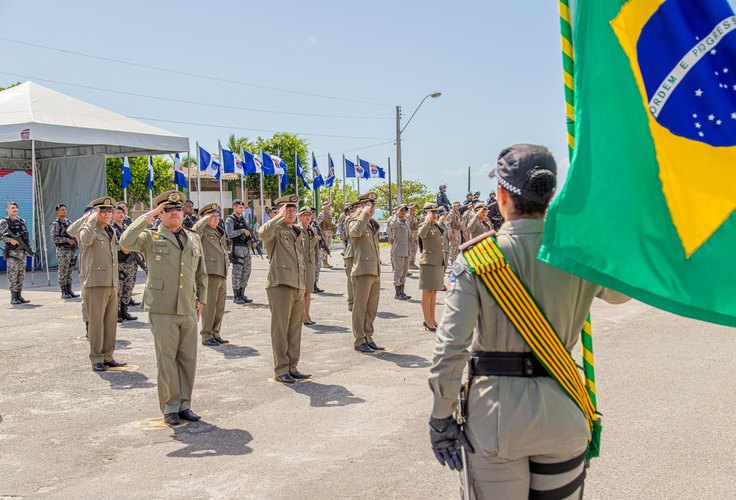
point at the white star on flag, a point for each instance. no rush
(718, 122)
(713, 52)
(699, 92)
(711, 117)
(701, 134)
(733, 116)
(697, 125)
(725, 70)
(695, 116)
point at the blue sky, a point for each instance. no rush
(497, 64)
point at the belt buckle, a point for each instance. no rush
(528, 367)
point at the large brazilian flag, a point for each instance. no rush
(648, 207)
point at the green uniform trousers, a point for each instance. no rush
(175, 340)
(287, 312)
(348, 269)
(366, 290)
(214, 309)
(101, 305)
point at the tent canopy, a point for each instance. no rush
(62, 126)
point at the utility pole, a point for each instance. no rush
(399, 190)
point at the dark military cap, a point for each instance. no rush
(430, 207)
(120, 206)
(529, 171)
(367, 197)
(210, 208)
(59, 206)
(103, 203)
(306, 210)
(289, 199)
(170, 198)
(238, 202)
(11, 203)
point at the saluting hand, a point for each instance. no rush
(153, 213)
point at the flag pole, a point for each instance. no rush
(357, 163)
(219, 152)
(242, 177)
(261, 222)
(296, 177)
(189, 175)
(278, 152)
(125, 195)
(199, 187)
(390, 205)
(344, 185)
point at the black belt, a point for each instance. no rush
(238, 244)
(505, 364)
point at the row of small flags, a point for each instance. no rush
(249, 163)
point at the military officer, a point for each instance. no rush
(126, 268)
(66, 249)
(413, 236)
(348, 254)
(99, 272)
(311, 247)
(328, 229)
(398, 237)
(494, 214)
(285, 288)
(479, 223)
(240, 235)
(216, 258)
(366, 273)
(431, 264)
(73, 231)
(529, 438)
(341, 222)
(454, 227)
(175, 295)
(14, 234)
(321, 250)
(190, 218)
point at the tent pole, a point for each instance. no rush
(42, 227)
(33, 207)
(199, 187)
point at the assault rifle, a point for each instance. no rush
(22, 243)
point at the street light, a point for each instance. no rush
(399, 131)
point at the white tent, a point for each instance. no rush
(66, 141)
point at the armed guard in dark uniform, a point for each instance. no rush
(240, 235)
(14, 233)
(126, 268)
(66, 251)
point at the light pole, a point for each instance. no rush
(399, 130)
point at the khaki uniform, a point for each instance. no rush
(432, 259)
(454, 226)
(511, 419)
(328, 229)
(365, 275)
(414, 238)
(73, 231)
(477, 227)
(216, 261)
(348, 255)
(311, 252)
(176, 281)
(285, 286)
(399, 235)
(99, 273)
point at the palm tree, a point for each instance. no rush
(235, 144)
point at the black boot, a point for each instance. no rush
(14, 298)
(398, 295)
(120, 313)
(133, 303)
(22, 300)
(405, 296)
(65, 294)
(237, 298)
(71, 293)
(124, 313)
(245, 299)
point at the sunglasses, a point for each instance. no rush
(172, 209)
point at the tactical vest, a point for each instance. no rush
(63, 225)
(239, 223)
(122, 256)
(18, 227)
(189, 221)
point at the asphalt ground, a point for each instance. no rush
(357, 430)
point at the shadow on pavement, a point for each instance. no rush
(325, 395)
(389, 315)
(404, 360)
(136, 323)
(122, 344)
(126, 380)
(231, 351)
(325, 329)
(207, 440)
(25, 306)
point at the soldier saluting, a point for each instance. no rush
(14, 234)
(285, 286)
(66, 249)
(176, 292)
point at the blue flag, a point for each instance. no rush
(300, 173)
(284, 182)
(179, 178)
(208, 164)
(150, 172)
(253, 163)
(330, 180)
(231, 163)
(371, 171)
(350, 169)
(127, 176)
(317, 180)
(273, 165)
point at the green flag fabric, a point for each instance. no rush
(648, 206)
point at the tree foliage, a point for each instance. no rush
(10, 86)
(413, 191)
(163, 177)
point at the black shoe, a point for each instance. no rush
(364, 347)
(426, 327)
(285, 379)
(71, 292)
(64, 292)
(405, 296)
(172, 419)
(99, 367)
(317, 290)
(125, 315)
(22, 300)
(188, 414)
(237, 298)
(133, 303)
(211, 343)
(120, 313)
(398, 295)
(375, 347)
(114, 364)
(246, 300)
(221, 340)
(299, 375)
(14, 298)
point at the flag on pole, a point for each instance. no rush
(232, 163)
(351, 169)
(208, 164)
(317, 180)
(300, 173)
(360, 172)
(284, 182)
(253, 163)
(330, 180)
(127, 175)
(654, 125)
(180, 179)
(150, 172)
(273, 165)
(372, 171)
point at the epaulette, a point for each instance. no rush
(469, 244)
